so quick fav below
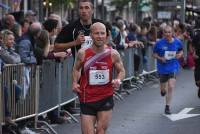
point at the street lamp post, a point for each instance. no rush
(183, 11)
(47, 6)
(103, 12)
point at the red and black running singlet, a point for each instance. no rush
(96, 76)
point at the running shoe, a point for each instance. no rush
(163, 93)
(167, 110)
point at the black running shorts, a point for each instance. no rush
(91, 108)
(165, 77)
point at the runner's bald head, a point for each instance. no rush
(97, 25)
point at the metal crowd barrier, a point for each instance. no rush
(128, 62)
(151, 62)
(127, 56)
(51, 85)
(55, 84)
(22, 98)
(20, 105)
(138, 51)
(148, 64)
(147, 67)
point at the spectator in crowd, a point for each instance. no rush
(120, 39)
(24, 26)
(132, 37)
(7, 52)
(51, 26)
(8, 22)
(196, 46)
(109, 36)
(1, 39)
(167, 51)
(26, 43)
(76, 34)
(180, 33)
(54, 16)
(96, 104)
(160, 30)
(152, 36)
(190, 56)
(41, 47)
(8, 56)
(31, 16)
(142, 36)
(25, 48)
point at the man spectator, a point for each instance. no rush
(76, 34)
(25, 48)
(9, 22)
(196, 46)
(31, 16)
(26, 43)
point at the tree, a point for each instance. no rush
(119, 4)
(69, 4)
(64, 6)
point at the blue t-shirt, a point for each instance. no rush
(168, 50)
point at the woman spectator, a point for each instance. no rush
(7, 52)
(8, 56)
(51, 25)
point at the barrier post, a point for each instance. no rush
(66, 91)
(59, 88)
(1, 108)
(37, 88)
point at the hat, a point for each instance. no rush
(30, 13)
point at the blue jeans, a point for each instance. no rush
(7, 113)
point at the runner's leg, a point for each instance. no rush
(87, 124)
(103, 119)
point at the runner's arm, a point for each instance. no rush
(118, 65)
(77, 71)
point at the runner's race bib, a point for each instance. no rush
(87, 43)
(98, 77)
(170, 55)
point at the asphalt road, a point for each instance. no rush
(142, 112)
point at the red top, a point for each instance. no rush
(93, 83)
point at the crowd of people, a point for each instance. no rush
(29, 41)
